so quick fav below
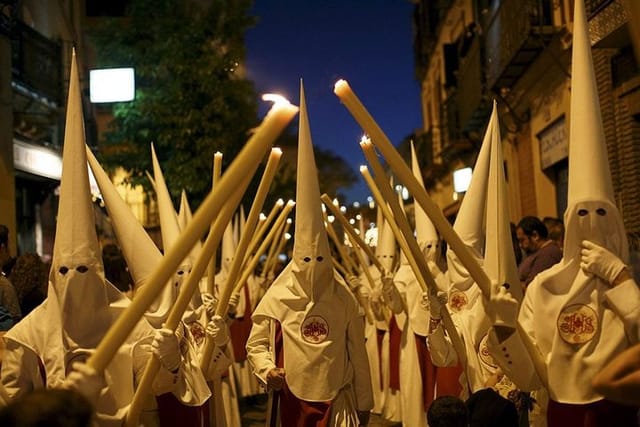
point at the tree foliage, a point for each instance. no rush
(191, 98)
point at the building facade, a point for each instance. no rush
(518, 52)
(36, 43)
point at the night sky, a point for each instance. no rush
(369, 43)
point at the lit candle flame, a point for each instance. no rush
(275, 98)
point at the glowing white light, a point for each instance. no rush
(263, 217)
(331, 218)
(112, 85)
(287, 236)
(405, 193)
(352, 221)
(275, 98)
(343, 209)
(461, 179)
(356, 205)
(358, 217)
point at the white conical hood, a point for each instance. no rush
(140, 252)
(470, 221)
(590, 187)
(386, 250)
(169, 227)
(426, 233)
(311, 263)
(499, 257)
(182, 211)
(168, 219)
(77, 272)
(184, 218)
(228, 248)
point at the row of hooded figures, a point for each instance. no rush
(336, 336)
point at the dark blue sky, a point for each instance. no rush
(367, 42)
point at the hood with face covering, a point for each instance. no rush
(426, 233)
(470, 222)
(591, 209)
(311, 259)
(499, 257)
(140, 252)
(76, 280)
(170, 230)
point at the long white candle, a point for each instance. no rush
(215, 177)
(404, 173)
(250, 225)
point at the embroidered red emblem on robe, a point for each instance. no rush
(577, 324)
(314, 329)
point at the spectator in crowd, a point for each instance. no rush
(6, 261)
(555, 226)
(448, 411)
(29, 278)
(516, 244)
(8, 297)
(541, 252)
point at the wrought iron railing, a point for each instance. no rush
(36, 62)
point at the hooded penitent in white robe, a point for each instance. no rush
(389, 333)
(142, 258)
(220, 362)
(465, 301)
(320, 343)
(577, 321)
(81, 305)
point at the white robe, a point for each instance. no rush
(322, 339)
(35, 358)
(578, 323)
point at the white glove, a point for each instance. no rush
(210, 303)
(218, 331)
(233, 302)
(86, 381)
(166, 347)
(433, 303)
(353, 281)
(364, 292)
(600, 262)
(503, 307)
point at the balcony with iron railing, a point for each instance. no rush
(515, 34)
(454, 141)
(36, 63)
(473, 104)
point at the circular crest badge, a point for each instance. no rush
(458, 300)
(577, 323)
(198, 332)
(485, 356)
(314, 329)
